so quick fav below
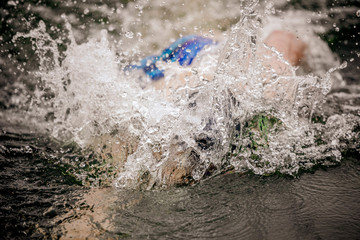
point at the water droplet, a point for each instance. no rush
(194, 70)
(129, 34)
(11, 3)
(111, 28)
(28, 149)
(42, 26)
(148, 62)
(358, 13)
(343, 65)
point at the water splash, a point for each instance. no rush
(227, 112)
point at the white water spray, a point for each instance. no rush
(191, 124)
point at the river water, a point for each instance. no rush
(88, 150)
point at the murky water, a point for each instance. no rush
(90, 150)
(39, 201)
(316, 206)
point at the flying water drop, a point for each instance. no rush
(129, 34)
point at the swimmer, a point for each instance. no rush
(184, 51)
(183, 55)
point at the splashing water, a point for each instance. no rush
(216, 115)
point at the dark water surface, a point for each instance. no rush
(38, 201)
(33, 188)
(323, 205)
